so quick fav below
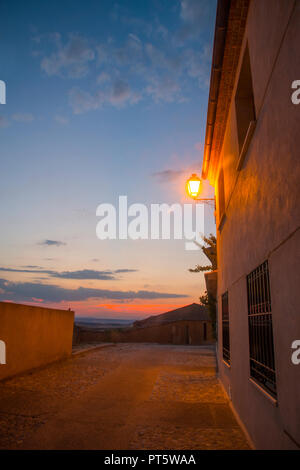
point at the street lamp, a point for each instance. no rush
(193, 188)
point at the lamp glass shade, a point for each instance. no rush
(193, 186)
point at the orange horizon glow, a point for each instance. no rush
(108, 310)
(141, 308)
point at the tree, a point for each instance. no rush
(208, 300)
(210, 252)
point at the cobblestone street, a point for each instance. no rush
(128, 396)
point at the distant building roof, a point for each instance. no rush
(192, 312)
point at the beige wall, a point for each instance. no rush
(34, 336)
(262, 222)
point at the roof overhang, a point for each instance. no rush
(229, 32)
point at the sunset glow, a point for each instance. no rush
(109, 109)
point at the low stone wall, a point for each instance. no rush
(180, 332)
(33, 336)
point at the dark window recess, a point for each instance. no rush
(225, 328)
(221, 194)
(187, 335)
(204, 332)
(262, 363)
(244, 101)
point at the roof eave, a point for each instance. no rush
(215, 78)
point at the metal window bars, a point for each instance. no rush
(262, 363)
(225, 328)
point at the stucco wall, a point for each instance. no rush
(181, 332)
(34, 336)
(262, 222)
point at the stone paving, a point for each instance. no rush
(130, 396)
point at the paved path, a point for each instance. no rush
(129, 396)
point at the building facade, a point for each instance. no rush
(251, 157)
(176, 332)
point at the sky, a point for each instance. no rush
(103, 99)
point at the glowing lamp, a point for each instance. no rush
(193, 186)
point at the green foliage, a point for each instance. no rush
(210, 251)
(199, 269)
(208, 300)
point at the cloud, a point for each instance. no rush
(195, 16)
(52, 243)
(161, 30)
(163, 59)
(70, 59)
(101, 54)
(168, 175)
(85, 274)
(164, 89)
(104, 77)
(4, 122)
(82, 101)
(29, 266)
(23, 117)
(150, 62)
(134, 38)
(82, 274)
(192, 11)
(126, 270)
(28, 291)
(160, 73)
(17, 117)
(198, 64)
(124, 15)
(129, 53)
(121, 93)
(118, 95)
(61, 120)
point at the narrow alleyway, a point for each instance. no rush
(129, 396)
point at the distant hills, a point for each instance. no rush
(190, 312)
(95, 323)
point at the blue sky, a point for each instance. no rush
(103, 99)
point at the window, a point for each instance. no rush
(245, 108)
(225, 328)
(187, 335)
(204, 332)
(221, 195)
(262, 364)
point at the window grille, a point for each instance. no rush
(225, 328)
(262, 363)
